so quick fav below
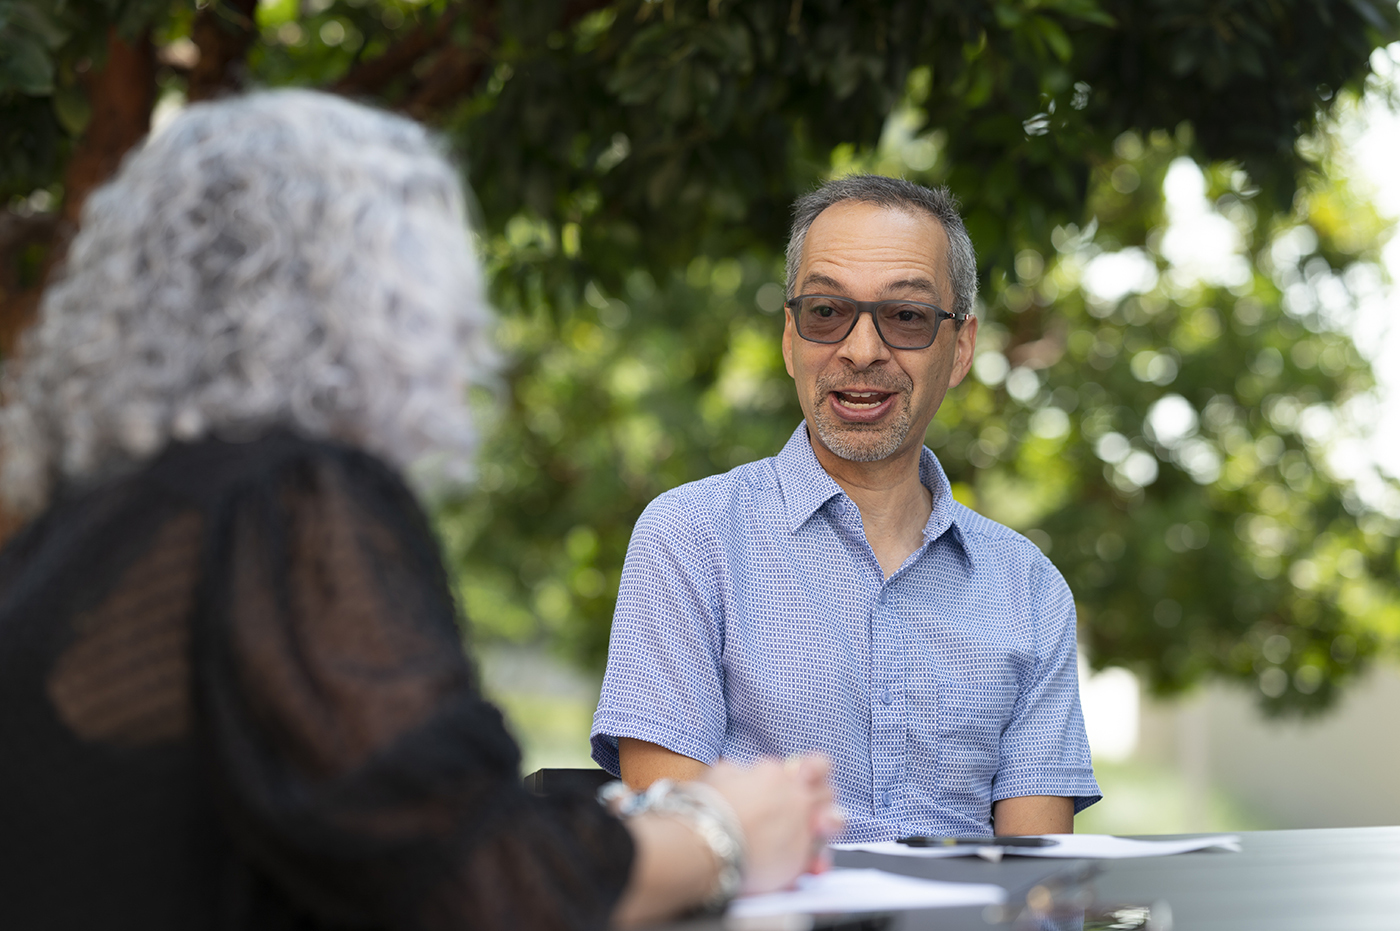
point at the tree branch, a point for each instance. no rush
(458, 68)
(371, 77)
(223, 32)
(456, 71)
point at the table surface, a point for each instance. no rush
(1331, 879)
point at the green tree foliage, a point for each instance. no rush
(45, 47)
(634, 163)
(1167, 442)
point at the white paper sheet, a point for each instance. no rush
(840, 891)
(1068, 846)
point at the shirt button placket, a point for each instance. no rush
(886, 717)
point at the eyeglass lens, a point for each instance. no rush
(902, 325)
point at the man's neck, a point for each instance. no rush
(894, 504)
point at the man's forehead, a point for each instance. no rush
(892, 248)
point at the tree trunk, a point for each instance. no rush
(122, 95)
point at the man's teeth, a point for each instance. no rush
(861, 399)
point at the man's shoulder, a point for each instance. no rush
(989, 539)
(984, 529)
(720, 497)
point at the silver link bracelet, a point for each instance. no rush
(708, 814)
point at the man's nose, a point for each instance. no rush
(863, 346)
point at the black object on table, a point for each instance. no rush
(567, 781)
(1009, 840)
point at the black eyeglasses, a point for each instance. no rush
(824, 318)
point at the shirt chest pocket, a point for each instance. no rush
(976, 694)
(975, 706)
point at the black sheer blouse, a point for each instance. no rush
(233, 695)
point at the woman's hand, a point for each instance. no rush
(787, 811)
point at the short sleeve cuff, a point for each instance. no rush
(608, 728)
(1062, 781)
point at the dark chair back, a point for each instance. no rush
(567, 781)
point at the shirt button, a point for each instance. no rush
(887, 799)
(886, 697)
(884, 598)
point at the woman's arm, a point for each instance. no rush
(786, 812)
(367, 778)
(673, 870)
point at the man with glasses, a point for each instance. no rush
(836, 597)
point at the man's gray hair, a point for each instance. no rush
(898, 194)
(285, 259)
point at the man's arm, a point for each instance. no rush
(643, 763)
(664, 682)
(1046, 771)
(1033, 814)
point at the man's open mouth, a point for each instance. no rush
(861, 400)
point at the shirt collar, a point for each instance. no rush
(806, 487)
(946, 509)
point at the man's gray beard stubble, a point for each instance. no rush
(859, 443)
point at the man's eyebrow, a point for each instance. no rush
(902, 286)
(911, 284)
(818, 280)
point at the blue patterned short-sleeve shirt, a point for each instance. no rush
(754, 620)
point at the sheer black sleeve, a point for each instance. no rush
(355, 760)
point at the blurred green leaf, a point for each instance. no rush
(25, 65)
(73, 109)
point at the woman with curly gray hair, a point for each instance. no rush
(232, 690)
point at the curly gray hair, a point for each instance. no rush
(285, 259)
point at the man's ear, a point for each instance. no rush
(963, 348)
(789, 334)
